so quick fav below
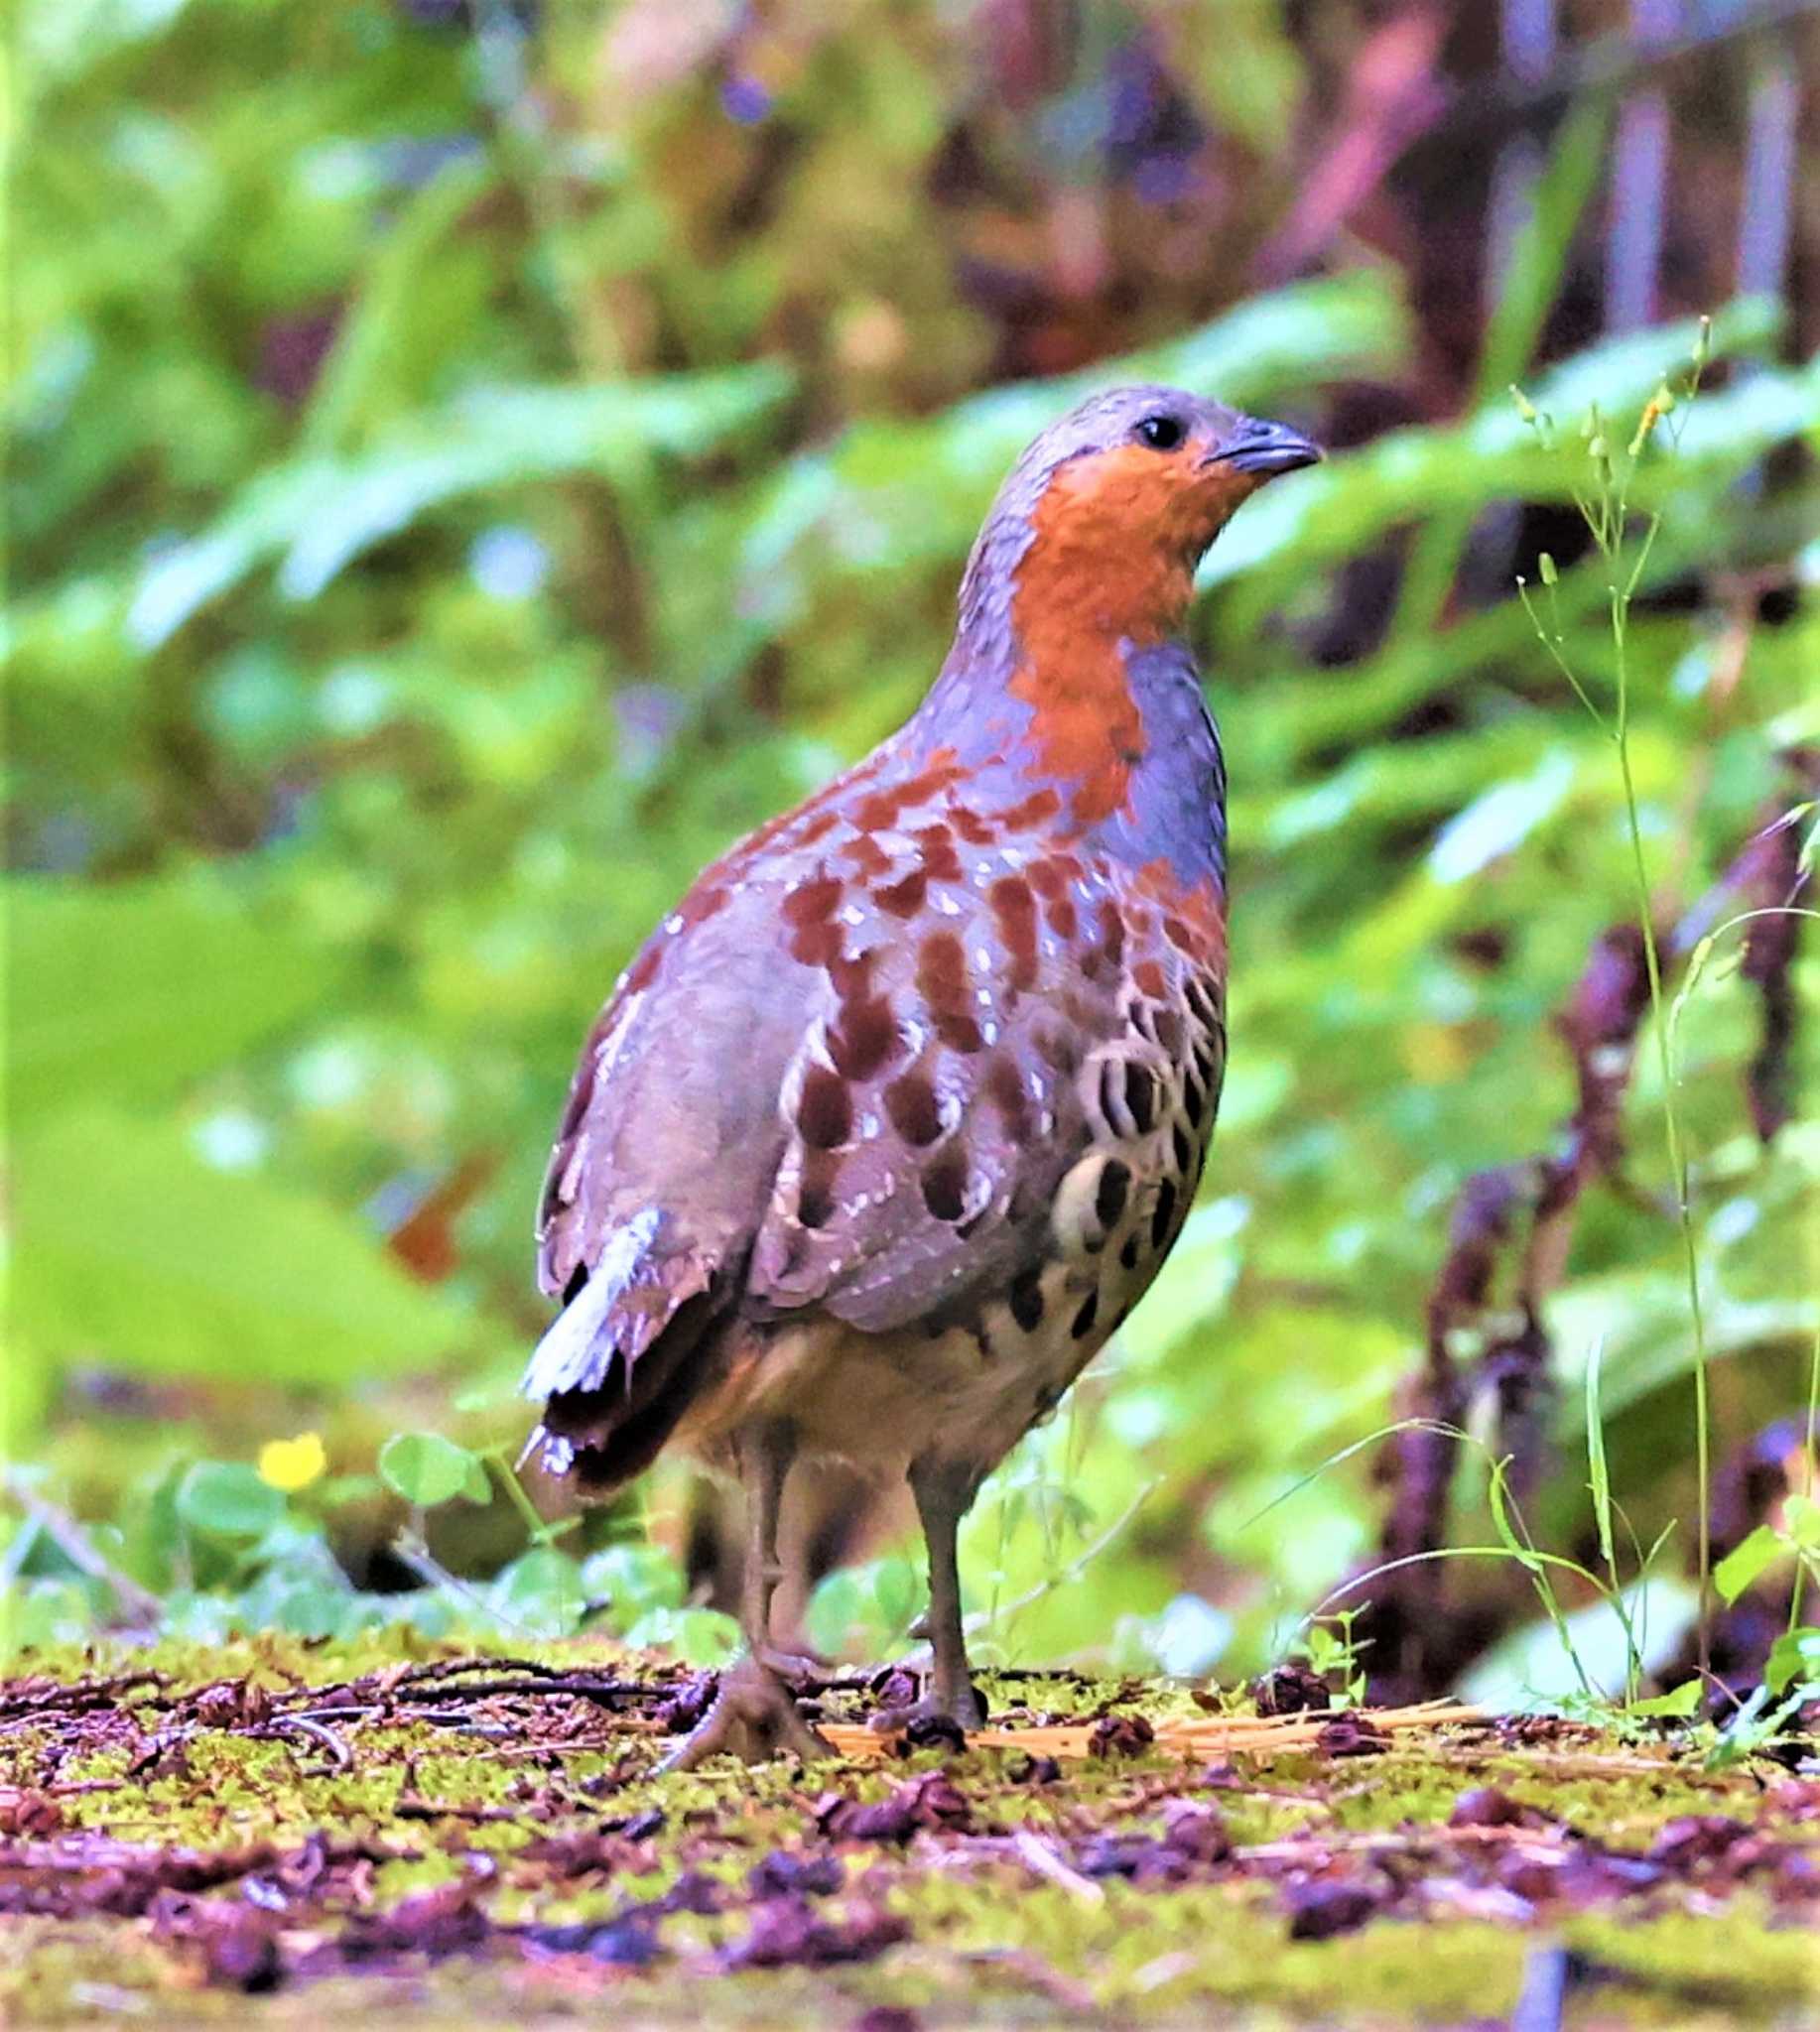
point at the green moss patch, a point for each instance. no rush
(280, 1833)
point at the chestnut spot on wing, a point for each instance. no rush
(851, 977)
(1037, 807)
(1005, 1088)
(1063, 918)
(945, 1184)
(1164, 1214)
(809, 910)
(812, 902)
(817, 944)
(1015, 909)
(825, 1114)
(1149, 977)
(704, 901)
(904, 899)
(1181, 938)
(936, 848)
(1026, 1297)
(941, 980)
(960, 1033)
(1081, 1324)
(865, 1037)
(1111, 933)
(975, 830)
(868, 855)
(1047, 879)
(883, 807)
(643, 971)
(1111, 1194)
(819, 827)
(941, 970)
(911, 1104)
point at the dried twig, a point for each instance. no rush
(141, 1606)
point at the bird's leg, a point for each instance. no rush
(945, 1491)
(754, 1714)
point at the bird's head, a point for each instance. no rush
(1108, 511)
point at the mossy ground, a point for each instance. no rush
(277, 1834)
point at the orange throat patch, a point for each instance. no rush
(1115, 539)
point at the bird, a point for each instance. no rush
(892, 1121)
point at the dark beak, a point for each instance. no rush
(1267, 448)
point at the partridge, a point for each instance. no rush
(895, 1117)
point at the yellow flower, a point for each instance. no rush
(291, 1464)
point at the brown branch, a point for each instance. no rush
(1515, 1222)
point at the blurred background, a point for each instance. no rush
(472, 458)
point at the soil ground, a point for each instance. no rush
(274, 1835)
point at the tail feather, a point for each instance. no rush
(614, 1366)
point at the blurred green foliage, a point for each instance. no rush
(461, 478)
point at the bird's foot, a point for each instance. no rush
(962, 1708)
(755, 1716)
(792, 1665)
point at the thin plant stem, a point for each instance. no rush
(1807, 1479)
(1677, 1168)
(1074, 1567)
(538, 1528)
(1604, 509)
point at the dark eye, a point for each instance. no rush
(1161, 433)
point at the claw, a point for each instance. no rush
(966, 1711)
(755, 1716)
(792, 1665)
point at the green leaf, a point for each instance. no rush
(35, 1614)
(1801, 1522)
(633, 1579)
(1342, 508)
(1748, 1562)
(541, 1593)
(228, 1499)
(1794, 1658)
(838, 1607)
(1681, 1704)
(1539, 254)
(321, 510)
(369, 337)
(426, 1469)
(900, 1590)
(130, 1249)
(697, 1636)
(61, 42)
(129, 991)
